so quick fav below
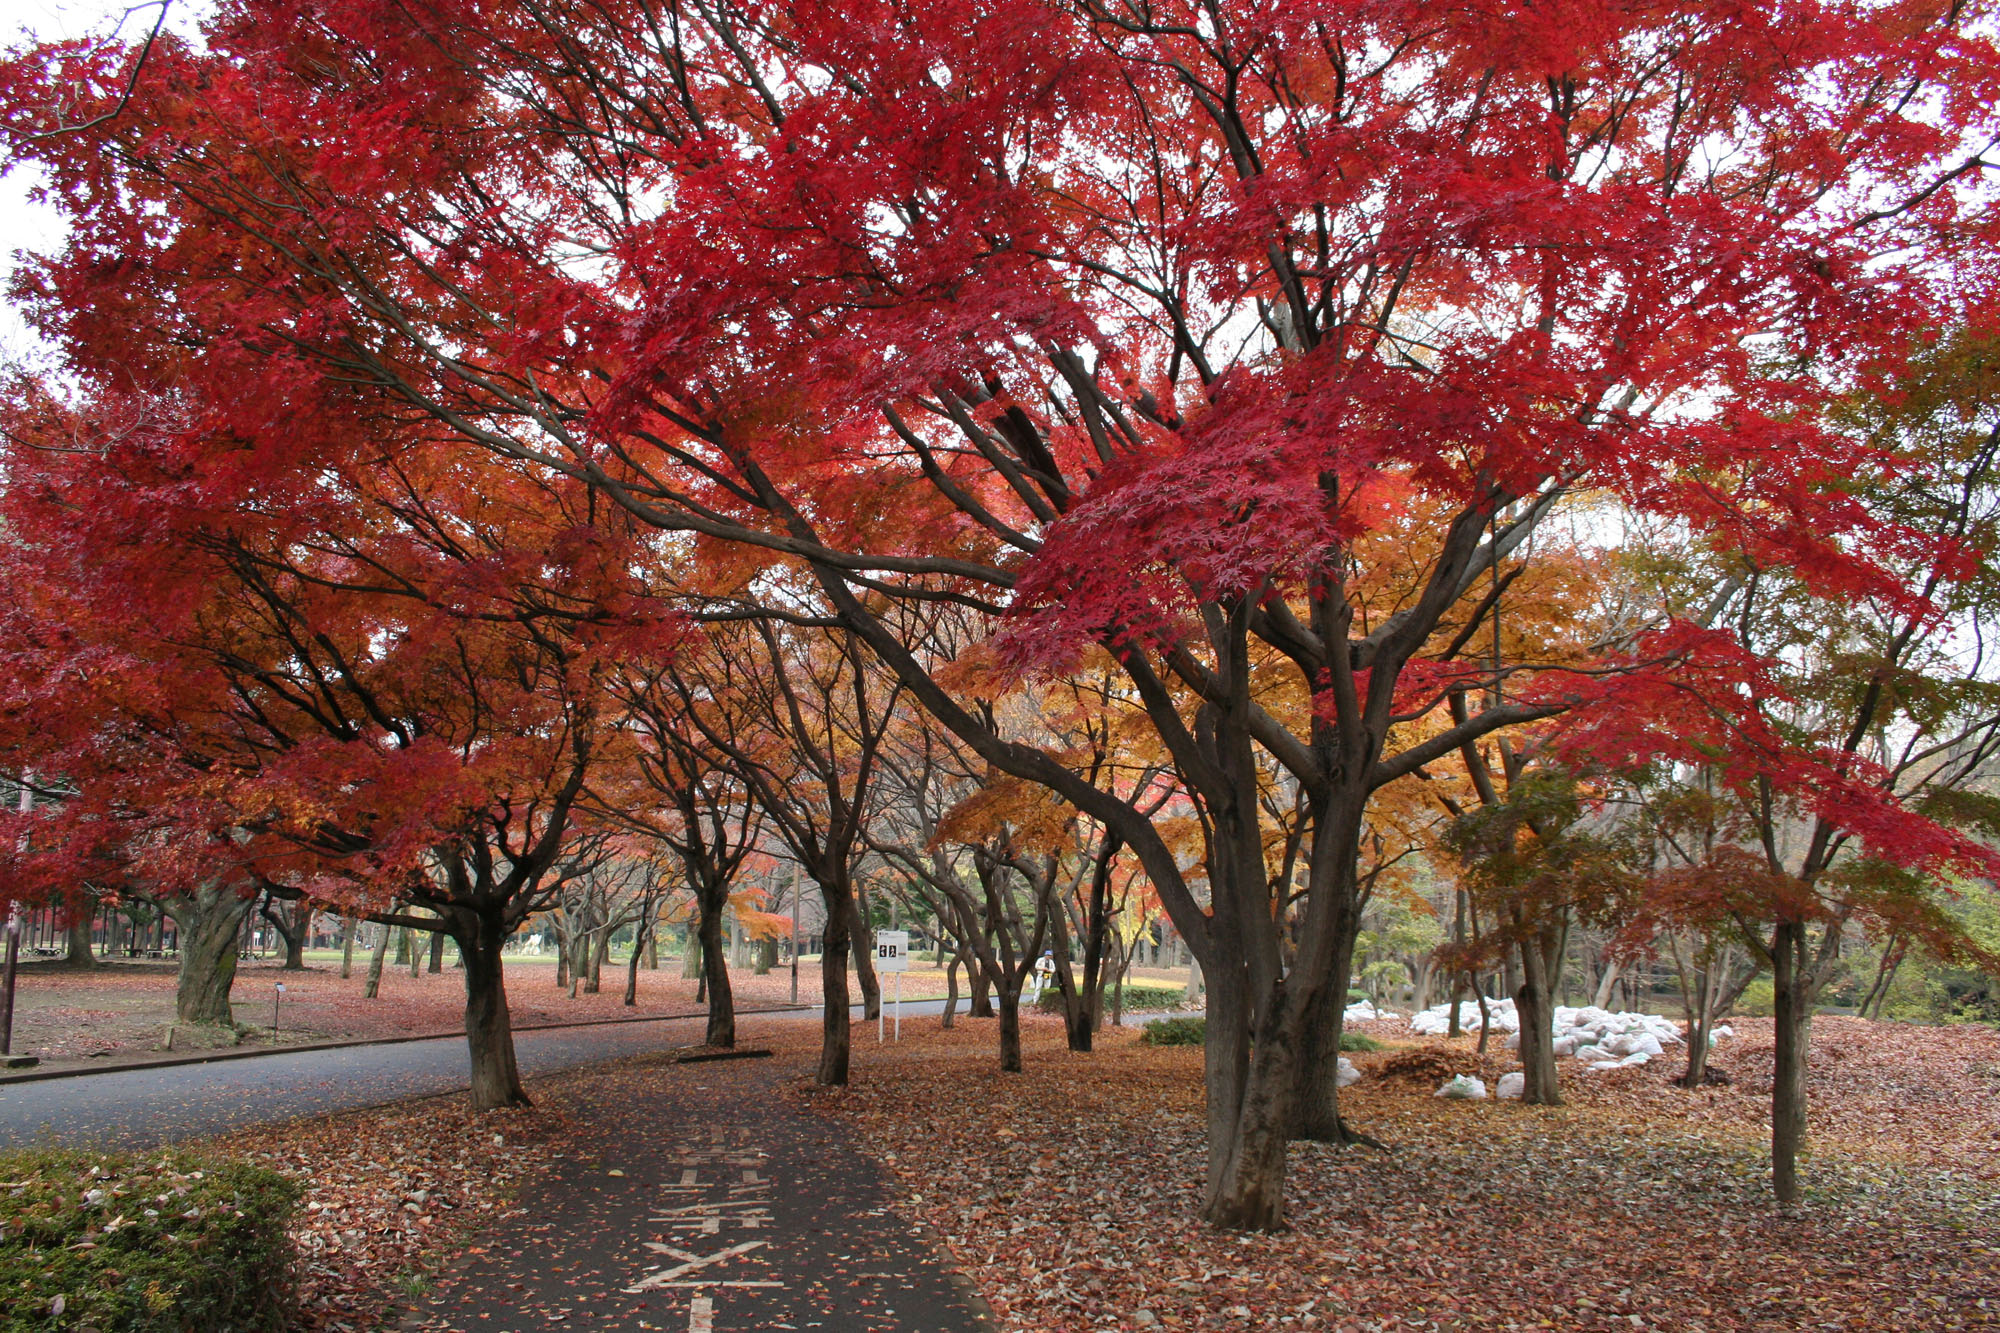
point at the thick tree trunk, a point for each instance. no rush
(1540, 1085)
(766, 952)
(1010, 1025)
(1535, 1005)
(950, 993)
(691, 953)
(77, 931)
(834, 1024)
(376, 957)
(1251, 1092)
(1792, 992)
(715, 967)
(1316, 1106)
(348, 926)
(437, 954)
(209, 921)
(489, 1028)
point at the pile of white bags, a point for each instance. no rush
(1602, 1039)
(1345, 1073)
(1363, 1012)
(1463, 1088)
(1436, 1020)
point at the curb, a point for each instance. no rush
(240, 1053)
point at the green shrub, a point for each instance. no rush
(1174, 1032)
(1359, 1041)
(156, 1244)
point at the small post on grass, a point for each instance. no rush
(277, 997)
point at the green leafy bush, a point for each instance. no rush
(156, 1244)
(1359, 1041)
(1174, 1032)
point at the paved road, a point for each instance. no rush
(142, 1107)
(701, 1197)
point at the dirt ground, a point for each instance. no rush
(122, 1009)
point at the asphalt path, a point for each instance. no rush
(140, 1108)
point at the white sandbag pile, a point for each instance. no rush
(1436, 1020)
(1511, 1086)
(1600, 1038)
(1345, 1073)
(1606, 1040)
(1463, 1088)
(1363, 1012)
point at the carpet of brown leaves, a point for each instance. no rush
(389, 1192)
(1069, 1192)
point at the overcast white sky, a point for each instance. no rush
(22, 225)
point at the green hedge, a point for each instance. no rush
(164, 1243)
(1194, 1031)
(1174, 1032)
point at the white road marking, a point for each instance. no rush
(701, 1315)
(691, 1262)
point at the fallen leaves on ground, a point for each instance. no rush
(390, 1191)
(1069, 1193)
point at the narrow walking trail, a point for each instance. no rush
(701, 1197)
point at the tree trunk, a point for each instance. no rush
(1010, 1025)
(651, 937)
(489, 1028)
(208, 921)
(766, 953)
(1251, 1090)
(834, 1025)
(1791, 989)
(416, 954)
(980, 989)
(376, 957)
(77, 952)
(1316, 1104)
(348, 927)
(641, 939)
(1540, 1085)
(691, 953)
(1606, 984)
(715, 969)
(950, 993)
(437, 954)
(861, 942)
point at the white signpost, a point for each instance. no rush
(892, 954)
